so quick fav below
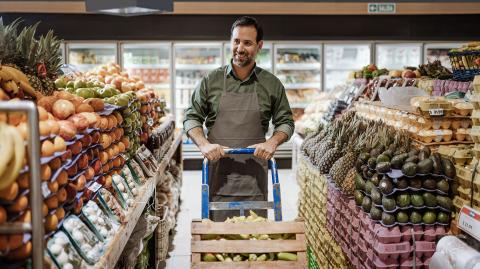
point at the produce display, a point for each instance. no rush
(91, 128)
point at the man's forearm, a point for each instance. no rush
(278, 138)
(198, 136)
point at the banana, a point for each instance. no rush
(17, 74)
(6, 148)
(5, 75)
(11, 174)
(10, 86)
(26, 88)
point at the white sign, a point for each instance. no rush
(436, 112)
(94, 187)
(382, 8)
(469, 221)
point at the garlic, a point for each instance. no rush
(67, 266)
(62, 259)
(60, 241)
(121, 188)
(131, 185)
(56, 248)
(78, 236)
(101, 221)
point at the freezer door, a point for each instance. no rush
(439, 51)
(152, 63)
(192, 62)
(341, 60)
(86, 56)
(397, 56)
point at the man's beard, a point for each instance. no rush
(242, 63)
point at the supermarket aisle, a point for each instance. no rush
(190, 209)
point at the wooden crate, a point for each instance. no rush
(248, 246)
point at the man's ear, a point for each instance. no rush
(260, 44)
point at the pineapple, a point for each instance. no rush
(332, 155)
(348, 185)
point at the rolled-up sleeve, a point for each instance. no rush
(196, 112)
(282, 117)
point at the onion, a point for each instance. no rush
(80, 122)
(91, 118)
(67, 130)
(63, 109)
(47, 148)
(54, 127)
(47, 102)
(45, 172)
(43, 128)
(59, 144)
(83, 108)
(42, 114)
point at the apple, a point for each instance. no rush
(371, 68)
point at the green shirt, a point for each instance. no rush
(272, 99)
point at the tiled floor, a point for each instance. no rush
(179, 257)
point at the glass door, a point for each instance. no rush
(439, 51)
(341, 59)
(264, 57)
(192, 62)
(398, 56)
(298, 66)
(87, 56)
(151, 62)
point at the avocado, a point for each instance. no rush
(375, 213)
(415, 217)
(388, 203)
(429, 217)
(372, 163)
(444, 202)
(437, 163)
(416, 200)
(359, 165)
(402, 217)
(383, 167)
(429, 199)
(415, 183)
(376, 196)
(376, 151)
(388, 219)
(397, 162)
(368, 187)
(388, 153)
(367, 173)
(79, 84)
(425, 166)
(443, 185)
(375, 179)
(403, 200)
(363, 157)
(409, 169)
(358, 197)
(448, 168)
(359, 182)
(382, 158)
(366, 204)
(413, 152)
(386, 186)
(443, 217)
(402, 183)
(424, 154)
(70, 84)
(429, 183)
(413, 159)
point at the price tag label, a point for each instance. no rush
(45, 190)
(124, 156)
(436, 112)
(94, 187)
(469, 221)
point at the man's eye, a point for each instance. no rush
(236, 41)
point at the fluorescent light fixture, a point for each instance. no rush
(129, 7)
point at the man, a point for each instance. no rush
(236, 102)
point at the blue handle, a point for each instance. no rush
(240, 151)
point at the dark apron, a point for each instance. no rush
(237, 177)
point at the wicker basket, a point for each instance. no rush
(163, 231)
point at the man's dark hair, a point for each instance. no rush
(249, 21)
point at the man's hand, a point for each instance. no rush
(212, 152)
(264, 150)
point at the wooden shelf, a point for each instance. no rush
(117, 244)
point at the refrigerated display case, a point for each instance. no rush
(264, 57)
(341, 59)
(86, 56)
(152, 63)
(439, 51)
(192, 62)
(299, 68)
(396, 56)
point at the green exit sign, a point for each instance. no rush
(382, 8)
